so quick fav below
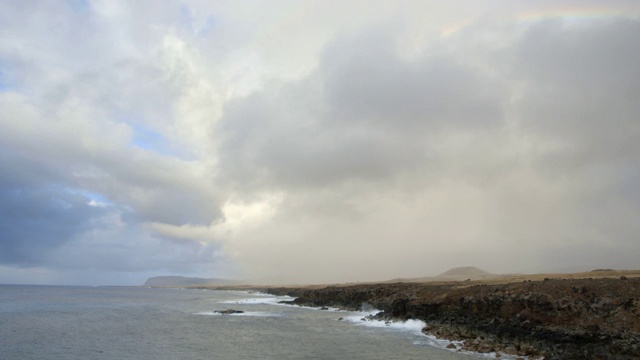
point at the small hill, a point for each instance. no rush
(167, 281)
(455, 274)
(466, 272)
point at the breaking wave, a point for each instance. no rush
(364, 319)
(266, 300)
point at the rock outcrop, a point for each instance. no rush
(557, 319)
(229, 312)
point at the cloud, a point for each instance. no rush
(73, 115)
(34, 221)
(366, 81)
(365, 113)
(380, 157)
(295, 142)
(579, 110)
(581, 88)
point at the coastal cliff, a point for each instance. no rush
(554, 319)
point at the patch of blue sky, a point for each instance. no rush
(150, 140)
(185, 12)
(80, 6)
(59, 196)
(200, 25)
(3, 82)
(206, 27)
(9, 76)
(93, 198)
(96, 198)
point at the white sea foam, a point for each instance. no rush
(362, 318)
(431, 340)
(334, 309)
(267, 300)
(415, 327)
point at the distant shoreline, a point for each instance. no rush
(590, 315)
(434, 280)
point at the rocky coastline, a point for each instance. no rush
(550, 319)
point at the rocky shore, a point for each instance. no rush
(550, 319)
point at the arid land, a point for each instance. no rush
(591, 315)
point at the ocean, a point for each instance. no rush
(60, 322)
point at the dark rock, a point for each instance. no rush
(229, 311)
(570, 319)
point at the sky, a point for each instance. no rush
(316, 141)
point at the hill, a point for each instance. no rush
(455, 274)
(466, 272)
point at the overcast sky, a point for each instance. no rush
(324, 141)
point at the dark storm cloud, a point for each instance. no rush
(45, 221)
(160, 190)
(526, 147)
(583, 89)
(366, 81)
(364, 114)
(36, 217)
(582, 107)
(51, 207)
(579, 108)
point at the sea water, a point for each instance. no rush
(48, 322)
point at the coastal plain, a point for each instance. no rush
(590, 315)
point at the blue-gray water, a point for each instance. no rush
(45, 322)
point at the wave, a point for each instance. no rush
(364, 319)
(332, 309)
(361, 318)
(415, 327)
(271, 300)
(431, 340)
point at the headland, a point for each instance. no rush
(592, 315)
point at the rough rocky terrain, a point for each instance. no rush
(585, 318)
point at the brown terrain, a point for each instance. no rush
(592, 315)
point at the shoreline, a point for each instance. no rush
(552, 318)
